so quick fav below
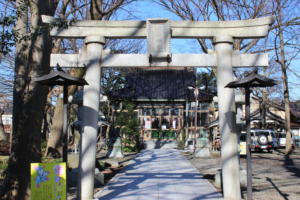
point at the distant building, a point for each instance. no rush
(7, 116)
(275, 116)
(6, 108)
(162, 100)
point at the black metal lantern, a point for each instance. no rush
(252, 80)
(61, 78)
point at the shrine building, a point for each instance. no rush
(164, 104)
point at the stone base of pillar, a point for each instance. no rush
(243, 178)
(202, 151)
(73, 177)
(114, 148)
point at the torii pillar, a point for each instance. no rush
(223, 58)
(90, 115)
(229, 138)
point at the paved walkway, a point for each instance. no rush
(159, 174)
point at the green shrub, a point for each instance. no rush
(136, 148)
(130, 128)
(3, 166)
(181, 143)
(183, 137)
(43, 145)
(47, 159)
(127, 149)
(155, 134)
(139, 144)
(128, 123)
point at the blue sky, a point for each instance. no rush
(148, 9)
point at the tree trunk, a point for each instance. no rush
(49, 122)
(288, 148)
(47, 119)
(263, 103)
(73, 110)
(107, 137)
(2, 132)
(55, 139)
(29, 101)
(76, 137)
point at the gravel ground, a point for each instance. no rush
(275, 176)
(72, 191)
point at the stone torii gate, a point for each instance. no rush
(159, 33)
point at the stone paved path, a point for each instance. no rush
(159, 174)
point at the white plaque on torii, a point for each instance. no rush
(158, 38)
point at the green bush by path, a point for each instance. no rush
(46, 159)
(127, 149)
(43, 145)
(3, 165)
(181, 143)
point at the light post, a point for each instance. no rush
(252, 80)
(196, 92)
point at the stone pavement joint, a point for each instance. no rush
(163, 174)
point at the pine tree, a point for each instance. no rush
(129, 125)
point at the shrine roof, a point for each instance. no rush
(212, 123)
(294, 106)
(160, 84)
(257, 115)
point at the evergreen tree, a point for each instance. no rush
(208, 80)
(129, 125)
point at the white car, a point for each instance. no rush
(263, 139)
(282, 139)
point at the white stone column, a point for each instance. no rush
(90, 113)
(227, 121)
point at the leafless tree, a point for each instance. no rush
(7, 72)
(282, 42)
(111, 78)
(31, 60)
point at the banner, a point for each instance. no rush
(48, 181)
(147, 125)
(174, 124)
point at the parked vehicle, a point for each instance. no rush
(263, 140)
(243, 144)
(282, 139)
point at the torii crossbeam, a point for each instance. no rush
(222, 57)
